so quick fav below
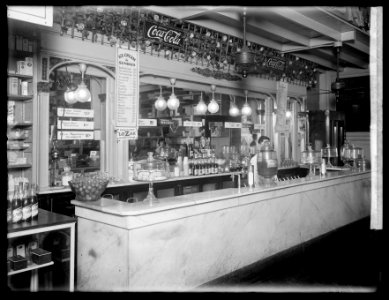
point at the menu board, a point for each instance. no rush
(127, 88)
(65, 124)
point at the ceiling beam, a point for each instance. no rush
(346, 57)
(279, 31)
(320, 61)
(299, 18)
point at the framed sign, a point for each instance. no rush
(127, 88)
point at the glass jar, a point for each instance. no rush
(267, 163)
(67, 175)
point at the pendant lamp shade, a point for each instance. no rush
(234, 110)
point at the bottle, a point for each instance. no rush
(131, 168)
(250, 176)
(186, 166)
(26, 205)
(67, 175)
(9, 209)
(34, 202)
(190, 166)
(323, 168)
(17, 206)
(195, 166)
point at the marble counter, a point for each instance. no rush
(185, 241)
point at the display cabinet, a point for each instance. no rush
(55, 235)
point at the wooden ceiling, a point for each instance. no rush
(308, 32)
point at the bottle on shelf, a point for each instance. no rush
(131, 168)
(34, 202)
(67, 175)
(16, 206)
(26, 205)
(9, 209)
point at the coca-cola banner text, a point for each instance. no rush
(275, 63)
(164, 34)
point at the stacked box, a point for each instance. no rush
(18, 262)
(28, 66)
(40, 256)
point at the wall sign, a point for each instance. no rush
(193, 124)
(127, 88)
(147, 122)
(75, 135)
(82, 125)
(127, 133)
(232, 125)
(166, 122)
(164, 34)
(75, 112)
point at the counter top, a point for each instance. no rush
(120, 208)
(63, 189)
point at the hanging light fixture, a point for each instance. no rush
(245, 58)
(160, 104)
(201, 107)
(234, 110)
(70, 93)
(288, 113)
(246, 109)
(173, 103)
(213, 106)
(82, 93)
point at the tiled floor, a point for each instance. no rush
(348, 260)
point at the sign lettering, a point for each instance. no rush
(232, 125)
(75, 135)
(65, 124)
(164, 34)
(127, 133)
(75, 112)
(147, 122)
(275, 63)
(193, 124)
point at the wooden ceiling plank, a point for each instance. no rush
(318, 60)
(346, 57)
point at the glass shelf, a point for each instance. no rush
(31, 266)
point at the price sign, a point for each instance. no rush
(147, 122)
(165, 122)
(259, 126)
(75, 135)
(193, 124)
(232, 125)
(127, 133)
(75, 112)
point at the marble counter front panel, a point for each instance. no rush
(180, 248)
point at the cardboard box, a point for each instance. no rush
(18, 262)
(40, 256)
(24, 88)
(20, 67)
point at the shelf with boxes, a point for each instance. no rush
(20, 93)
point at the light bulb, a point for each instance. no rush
(70, 96)
(82, 93)
(160, 104)
(173, 103)
(288, 114)
(234, 110)
(246, 109)
(213, 106)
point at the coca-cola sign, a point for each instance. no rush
(275, 63)
(164, 34)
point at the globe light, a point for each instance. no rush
(70, 96)
(213, 106)
(246, 109)
(160, 104)
(201, 107)
(82, 93)
(234, 110)
(173, 103)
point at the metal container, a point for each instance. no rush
(267, 164)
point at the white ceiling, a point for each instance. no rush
(308, 32)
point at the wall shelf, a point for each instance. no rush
(20, 97)
(19, 166)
